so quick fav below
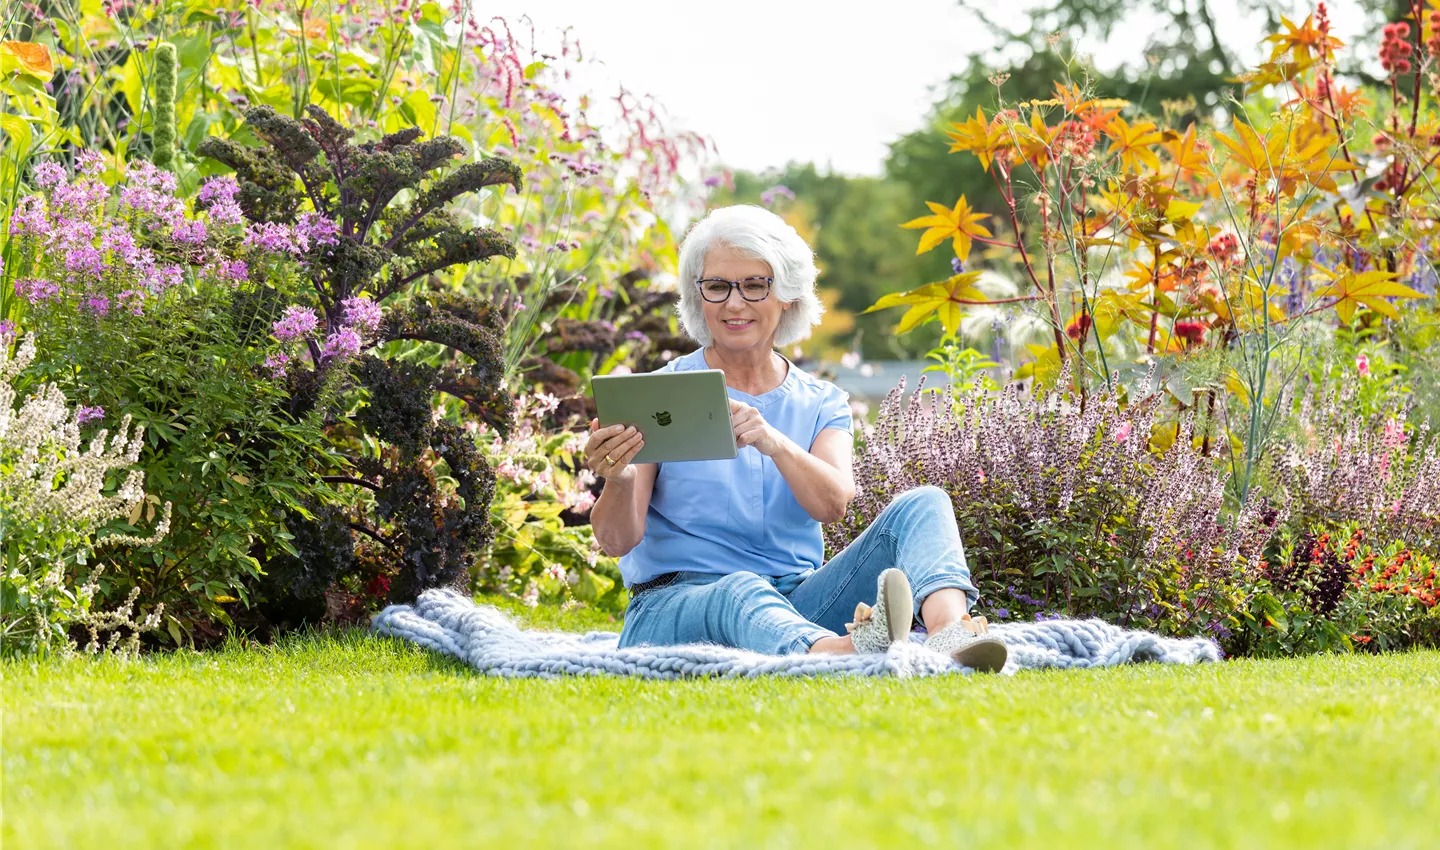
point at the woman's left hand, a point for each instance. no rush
(751, 429)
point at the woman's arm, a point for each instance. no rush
(820, 477)
(618, 516)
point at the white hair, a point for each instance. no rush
(761, 235)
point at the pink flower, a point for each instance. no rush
(1362, 364)
(1123, 432)
(88, 414)
(189, 232)
(97, 304)
(276, 363)
(49, 174)
(297, 322)
(850, 360)
(36, 290)
(362, 312)
(343, 343)
(316, 229)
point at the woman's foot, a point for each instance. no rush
(969, 649)
(874, 629)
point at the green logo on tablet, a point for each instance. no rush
(661, 418)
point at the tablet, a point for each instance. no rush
(682, 415)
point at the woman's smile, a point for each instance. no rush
(739, 324)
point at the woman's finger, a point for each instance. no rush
(631, 452)
(613, 447)
(597, 438)
(612, 441)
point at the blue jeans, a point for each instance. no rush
(781, 616)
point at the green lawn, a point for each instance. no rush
(352, 741)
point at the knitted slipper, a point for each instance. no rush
(982, 652)
(874, 629)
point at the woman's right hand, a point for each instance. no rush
(609, 450)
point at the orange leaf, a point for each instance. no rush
(27, 57)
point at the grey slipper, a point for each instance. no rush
(874, 629)
(982, 652)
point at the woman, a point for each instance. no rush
(729, 551)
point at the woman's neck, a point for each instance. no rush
(753, 371)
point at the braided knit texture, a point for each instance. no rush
(488, 640)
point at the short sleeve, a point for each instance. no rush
(835, 410)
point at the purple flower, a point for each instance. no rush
(362, 312)
(343, 343)
(7, 328)
(316, 229)
(1002, 613)
(637, 335)
(218, 190)
(957, 265)
(237, 271)
(297, 322)
(29, 217)
(88, 414)
(85, 260)
(276, 363)
(162, 278)
(227, 214)
(90, 163)
(121, 243)
(97, 304)
(49, 174)
(36, 290)
(134, 299)
(189, 232)
(768, 196)
(272, 237)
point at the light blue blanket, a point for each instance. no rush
(488, 640)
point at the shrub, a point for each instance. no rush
(151, 310)
(53, 501)
(544, 549)
(1064, 506)
(372, 222)
(1330, 590)
(1376, 471)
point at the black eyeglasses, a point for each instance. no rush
(716, 290)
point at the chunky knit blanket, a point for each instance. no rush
(488, 640)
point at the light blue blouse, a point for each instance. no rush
(724, 516)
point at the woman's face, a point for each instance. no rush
(736, 324)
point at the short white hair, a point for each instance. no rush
(762, 235)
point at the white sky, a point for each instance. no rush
(828, 81)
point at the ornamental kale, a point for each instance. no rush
(370, 222)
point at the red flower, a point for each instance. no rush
(378, 587)
(1223, 247)
(1079, 327)
(1193, 332)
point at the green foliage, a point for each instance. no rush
(543, 549)
(163, 134)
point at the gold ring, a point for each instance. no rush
(610, 460)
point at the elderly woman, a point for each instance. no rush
(729, 551)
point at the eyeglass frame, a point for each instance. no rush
(735, 285)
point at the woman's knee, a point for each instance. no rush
(926, 499)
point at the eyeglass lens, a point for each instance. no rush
(751, 288)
